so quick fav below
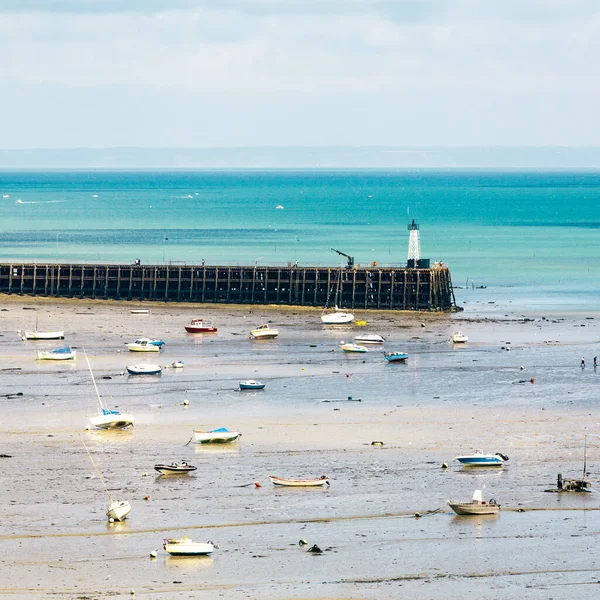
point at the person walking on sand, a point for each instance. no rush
(583, 363)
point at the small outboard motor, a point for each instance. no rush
(502, 456)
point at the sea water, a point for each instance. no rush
(527, 237)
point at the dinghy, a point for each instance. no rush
(144, 369)
(396, 356)
(216, 436)
(351, 347)
(323, 480)
(175, 468)
(186, 547)
(250, 384)
(459, 338)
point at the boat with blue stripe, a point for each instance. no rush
(479, 459)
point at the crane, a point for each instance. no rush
(350, 264)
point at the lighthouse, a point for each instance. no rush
(414, 249)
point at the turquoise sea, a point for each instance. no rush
(530, 237)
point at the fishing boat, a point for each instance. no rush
(117, 509)
(216, 436)
(59, 354)
(323, 480)
(107, 419)
(351, 347)
(477, 506)
(199, 326)
(264, 332)
(144, 369)
(459, 338)
(339, 317)
(43, 335)
(175, 468)
(250, 384)
(186, 547)
(396, 356)
(369, 338)
(145, 345)
(479, 459)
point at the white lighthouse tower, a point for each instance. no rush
(414, 246)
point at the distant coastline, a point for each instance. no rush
(293, 157)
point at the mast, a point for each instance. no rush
(96, 467)
(94, 382)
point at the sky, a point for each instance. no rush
(237, 73)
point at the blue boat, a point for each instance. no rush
(396, 356)
(250, 384)
(479, 459)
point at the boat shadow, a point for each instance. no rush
(188, 564)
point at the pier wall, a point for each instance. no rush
(391, 288)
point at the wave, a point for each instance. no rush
(19, 201)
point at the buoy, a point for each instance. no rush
(132, 592)
(376, 443)
(347, 374)
(153, 554)
(146, 497)
(417, 515)
(186, 402)
(303, 369)
(522, 368)
(257, 485)
(144, 474)
(532, 380)
(444, 465)
(302, 542)
(87, 428)
(111, 520)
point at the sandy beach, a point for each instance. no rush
(318, 414)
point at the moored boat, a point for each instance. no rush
(145, 345)
(323, 480)
(351, 347)
(338, 317)
(174, 468)
(44, 335)
(477, 506)
(396, 356)
(178, 364)
(118, 510)
(59, 354)
(186, 547)
(144, 369)
(264, 332)
(199, 326)
(216, 436)
(459, 338)
(479, 459)
(139, 311)
(250, 384)
(369, 338)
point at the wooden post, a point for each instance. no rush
(191, 295)
(228, 284)
(179, 285)
(70, 280)
(118, 293)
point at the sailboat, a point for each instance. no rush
(43, 335)
(338, 317)
(117, 509)
(107, 419)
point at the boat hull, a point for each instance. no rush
(299, 482)
(369, 339)
(482, 460)
(474, 508)
(44, 335)
(174, 469)
(144, 370)
(202, 329)
(144, 348)
(246, 385)
(396, 357)
(188, 548)
(354, 348)
(43, 355)
(118, 510)
(212, 437)
(340, 318)
(120, 421)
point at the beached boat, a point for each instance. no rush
(459, 338)
(117, 509)
(339, 317)
(144, 369)
(107, 419)
(59, 354)
(351, 347)
(479, 459)
(396, 356)
(264, 332)
(145, 345)
(139, 311)
(250, 384)
(199, 326)
(175, 468)
(216, 436)
(369, 338)
(44, 335)
(323, 480)
(178, 364)
(186, 547)
(477, 506)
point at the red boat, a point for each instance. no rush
(198, 326)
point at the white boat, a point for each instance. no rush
(107, 419)
(477, 506)
(144, 345)
(264, 332)
(323, 480)
(144, 369)
(216, 436)
(351, 347)
(369, 338)
(339, 317)
(178, 364)
(459, 338)
(186, 547)
(175, 468)
(43, 335)
(117, 509)
(139, 311)
(479, 459)
(250, 384)
(58, 354)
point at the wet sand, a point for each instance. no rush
(447, 400)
